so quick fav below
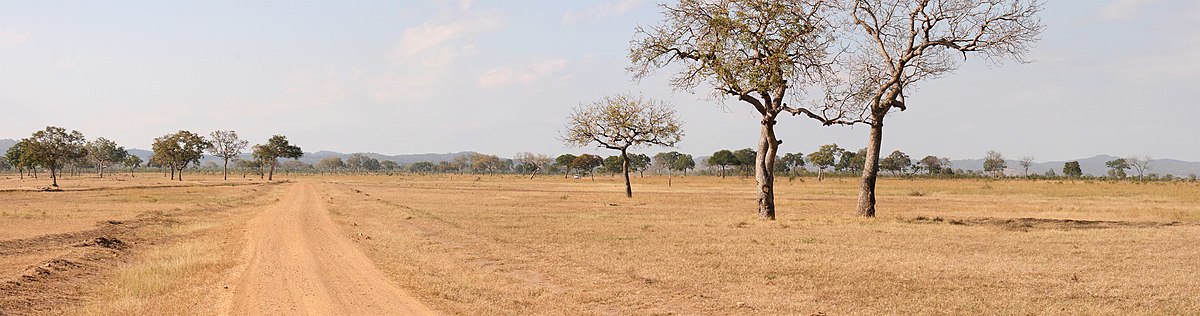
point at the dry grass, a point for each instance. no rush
(506, 245)
(182, 239)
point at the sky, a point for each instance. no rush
(1116, 77)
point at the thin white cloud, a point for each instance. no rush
(526, 75)
(603, 10)
(430, 35)
(1123, 10)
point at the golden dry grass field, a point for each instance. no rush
(485, 245)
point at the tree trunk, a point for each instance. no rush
(271, 177)
(226, 169)
(181, 172)
(54, 176)
(668, 178)
(866, 195)
(625, 170)
(172, 172)
(764, 169)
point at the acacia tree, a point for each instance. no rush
(897, 43)
(754, 51)
(103, 152)
(276, 147)
(176, 151)
(665, 162)
(53, 148)
(622, 121)
(226, 145)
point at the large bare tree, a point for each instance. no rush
(532, 162)
(761, 52)
(623, 121)
(896, 43)
(227, 145)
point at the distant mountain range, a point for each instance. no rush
(1091, 166)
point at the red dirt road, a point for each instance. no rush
(297, 262)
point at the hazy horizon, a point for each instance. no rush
(1109, 77)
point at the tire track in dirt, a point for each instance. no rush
(297, 262)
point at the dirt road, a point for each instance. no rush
(296, 263)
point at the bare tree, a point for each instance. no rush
(752, 50)
(1139, 163)
(622, 121)
(532, 162)
(227, 145)
(1026, 162)
(897, 43)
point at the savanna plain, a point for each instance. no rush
(506, 244)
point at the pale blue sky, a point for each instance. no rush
(1118, 77)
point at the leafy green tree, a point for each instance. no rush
(564, 161)
(994, 163)
(722, 158)
(330, 163)
(587, 163)
(103, 153)
(752, 50)
(53, 148)
(932, 164)
(226, 145)
(1117, 168)
(179, 150)
(1071, 169)
(20, 157)
(745, 160)
(793, 162)
(824, 157)
(683, 163)
(421, 167)
(612, 165)
(621, 122)
(132, 162)
(639, 163)
(279, 147)
(897, 162)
